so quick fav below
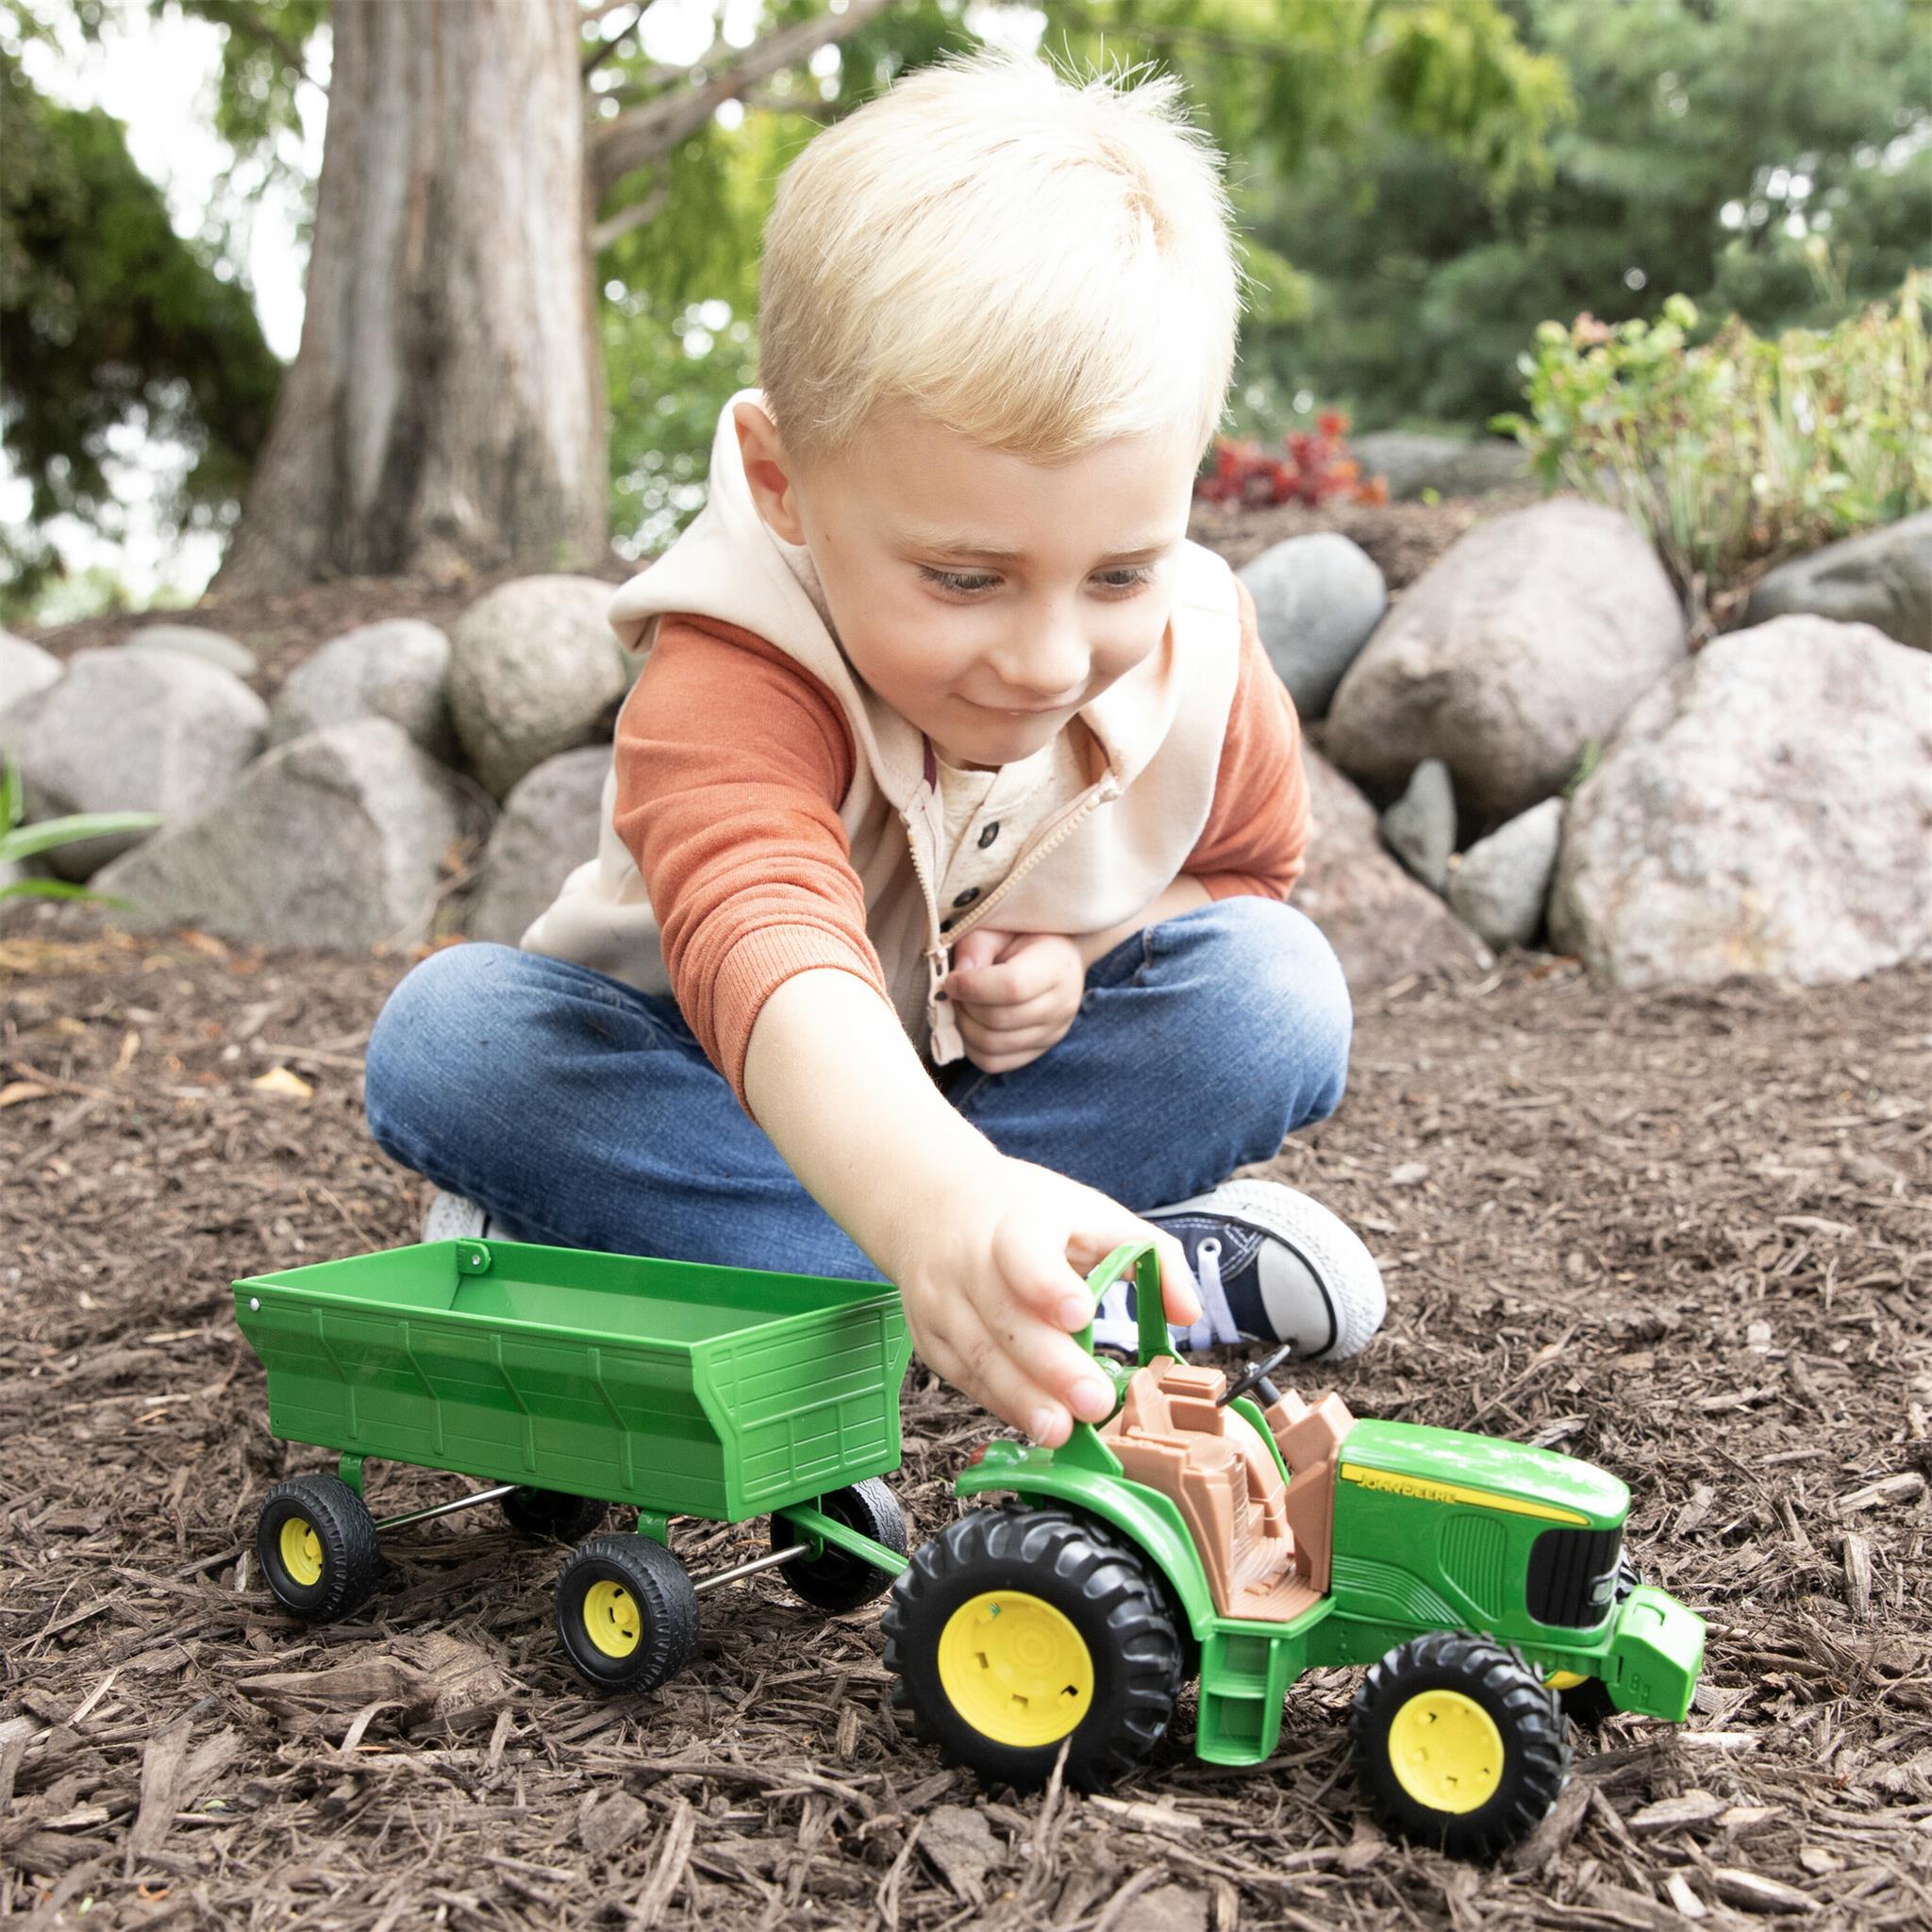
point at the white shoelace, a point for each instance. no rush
(1113, 1327)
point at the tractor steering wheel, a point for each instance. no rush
(1255, 1376)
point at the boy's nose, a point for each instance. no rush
(1051, 674)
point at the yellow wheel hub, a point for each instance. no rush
(611, 1619)
(1446, 1751)
(300, 1550)
(1015, 1669)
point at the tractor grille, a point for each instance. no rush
(1573, 1575)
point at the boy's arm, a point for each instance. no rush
(732, 763)
(1256, 840)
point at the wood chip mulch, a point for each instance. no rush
(1688, 1236)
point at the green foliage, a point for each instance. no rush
(18, 841)
(1733, 453)
(1713, 143)
(1271, 81)
(109, 323)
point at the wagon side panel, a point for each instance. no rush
(618, 1422)
(808, 1406)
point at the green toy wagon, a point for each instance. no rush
(569, 1381)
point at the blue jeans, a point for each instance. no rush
(583, 1113)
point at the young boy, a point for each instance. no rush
(939, 908)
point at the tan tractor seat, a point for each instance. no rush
(1310, 1439)
(1170, 1434)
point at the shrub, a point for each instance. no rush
(1315, 466)
(1734, 453)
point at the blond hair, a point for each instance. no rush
(1037, 265)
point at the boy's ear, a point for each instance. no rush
(768, 470)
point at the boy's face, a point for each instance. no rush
(990, 655)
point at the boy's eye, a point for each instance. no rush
(1127, 577)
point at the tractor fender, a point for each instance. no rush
(1145, 1516)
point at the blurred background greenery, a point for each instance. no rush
(1419, 183)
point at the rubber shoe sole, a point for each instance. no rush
(453, 1218)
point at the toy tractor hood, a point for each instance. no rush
(1445, 1466)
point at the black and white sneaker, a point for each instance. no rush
(455, 1218)
(1271, 1266)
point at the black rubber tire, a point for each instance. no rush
(345, 1531)
(1589, 1705)
(1535, 1745)
(1099, 1581)
(836, 1581)
(551, 1513)
(667, 1606)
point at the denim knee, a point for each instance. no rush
(1286, 1017)
(425, 1042)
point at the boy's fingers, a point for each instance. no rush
(995, 1378)
(1179, 1294)
(1036, 1011)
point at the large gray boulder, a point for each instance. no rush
(1766, 810)
(1882, 578)
(131, 731)
(1382, 924)
(535, 669)
(24, 668)
(333, 841)
(395, 670)
(1449, 465)
(196, 641)
(1536, 632)
(1501, 885)
(1316, 600)
(550, 826)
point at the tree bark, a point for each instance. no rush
(445, 410)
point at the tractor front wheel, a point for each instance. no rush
(627, 1613)
(1018, 1630)
(315, 1541)
(1459, 1744)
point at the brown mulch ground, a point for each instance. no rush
(1685, 1235)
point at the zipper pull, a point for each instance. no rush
(946, 1043)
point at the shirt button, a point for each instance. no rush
(967, 897)
(987, 837)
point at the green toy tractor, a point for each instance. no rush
(1198, 1531)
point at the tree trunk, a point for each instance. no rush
(445, 411)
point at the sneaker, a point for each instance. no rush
(1271, 1266)
(453, 1218)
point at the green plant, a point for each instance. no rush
(1733, 453)
(18, 841)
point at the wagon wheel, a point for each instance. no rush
(315, 1541)
(626, 1612)
(835, 1580)
(551, 1513)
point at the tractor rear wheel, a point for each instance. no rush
(315, 1541)
(1019, 1630)
(627, 1613)
(1458, 1743)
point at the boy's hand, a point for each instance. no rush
(1015, 994)
(993, 1283)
